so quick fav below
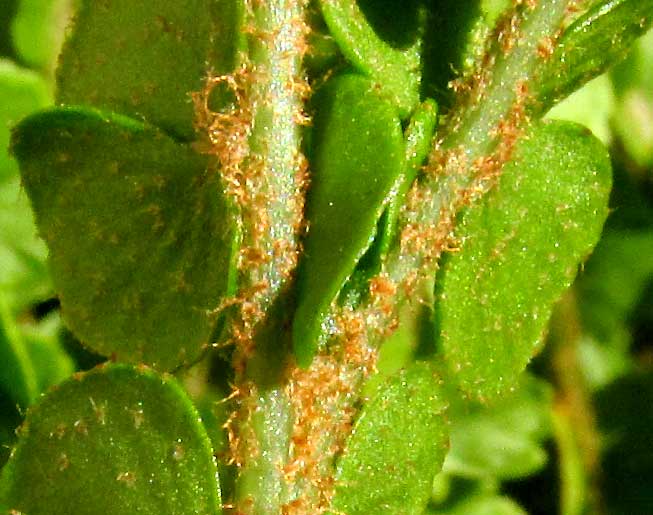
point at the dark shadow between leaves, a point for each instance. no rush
(397, 27)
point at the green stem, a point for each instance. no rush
(477, 140)
(572, 474)
(270, 184)
(261, 488)
(276, 167)
(574, 419)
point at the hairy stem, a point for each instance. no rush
(260, 487)
(275, 167)
(258, 145)
(479, 136)
(473, 147)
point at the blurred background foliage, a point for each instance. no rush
(576, 439)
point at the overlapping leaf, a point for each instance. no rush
(23, 278)
(144, 59)
(357, 156)
(382, 43)
(505, 440)
(397, 446)
(599, 38)
(112, 441)
(520, 248)
(140, 235)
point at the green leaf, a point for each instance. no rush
(613, 282)
(17, 374)
(503, 441)
(21, 92)
(520, 248)
(357, 155)
(633, 120)
(43, 341)
(32, 356)
(482, 505)
(144, 59)
(22, 255)
(382, 42)
(599, 38)
(419, 140)
(396, 448)
(114, 441)
(24, 278)
(38, 30)
(592, 106)
(140, 235)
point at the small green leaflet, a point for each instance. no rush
(418, 137)
(396, 69)
(596, 40)
(396, 448)
(520, 248)
(115, 440)
(357, 156)
(144, 59)
(505, 440)
(23, 277)
(140, 235)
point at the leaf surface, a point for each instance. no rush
(113, 441)
(356, 159)
(418, 138)
(482, 505)
(503, 441)
(394, 65)
(596, 40)
(23, 276)
(140, 235)
(37, 30)
(520, 248)
(396, 448)
(144, 59)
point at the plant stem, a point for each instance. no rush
(265, 172)
(476, 142)
(275, 169)
(574, 420)
(479, 136)
(260, 487)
